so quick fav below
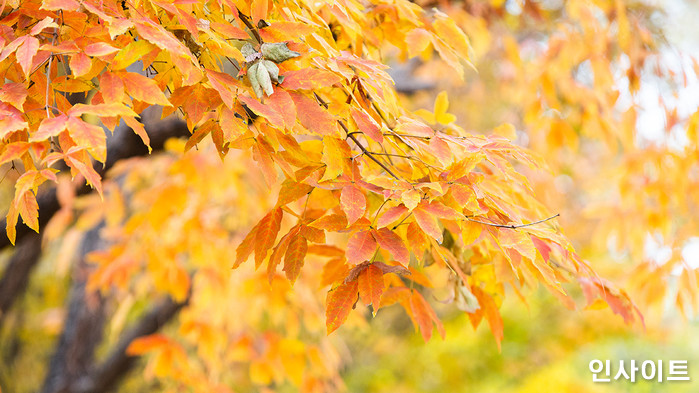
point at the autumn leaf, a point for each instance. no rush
(88, 136)
(353, 203)
(266, 233)
(339, 303)
(370, 284)
(390, 241)
(360, 247)
(294, 257)
(428, 222)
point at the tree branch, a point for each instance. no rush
(118, 363)
(512, 226)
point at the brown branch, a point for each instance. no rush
(83, 326)
(249, 25)
(118, 363)
(512, 226)
(15, 278)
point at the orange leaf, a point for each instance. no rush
(360, 247)
(88, 136)
(428, 222)
(49, 127)
(334, 271)
(13, 151)
(282, 103)
(332, 222)
(367, 125)
(28, 210)
(339, 303)
(417, 240)
(294, 257)
(246, 247)
(353, 203)
(14, 94)
(103, 110)
(424, 316)
(292, 191)
(336, 153)
(55, 5)
(390, 241)
(138, 128)
(266, 111)
(314, 117)
(390, 216)
(492, 315)
(143, 89)
(25, 53)
(80, 64)
(370, 284)
(146, 344)
(309, 79)
(111, 87)
(98, 49)
(266, 234)
(394, 295)
(84, 167)
(277, 253)
(225, 85)
(258, 10)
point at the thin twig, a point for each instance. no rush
(355, 140)
(249, 25)
(512, 226)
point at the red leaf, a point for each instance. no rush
(390, 241)
(367, 125)
(267, 230)
(339, 303)
(294, 257)
(314, 117)
(360, 247)
(309, 79)
(370, 284)
(353, 203)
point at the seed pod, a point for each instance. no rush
(252, 77)
(273, 70)
(264, 80)
(248, 51)
(277, 52)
